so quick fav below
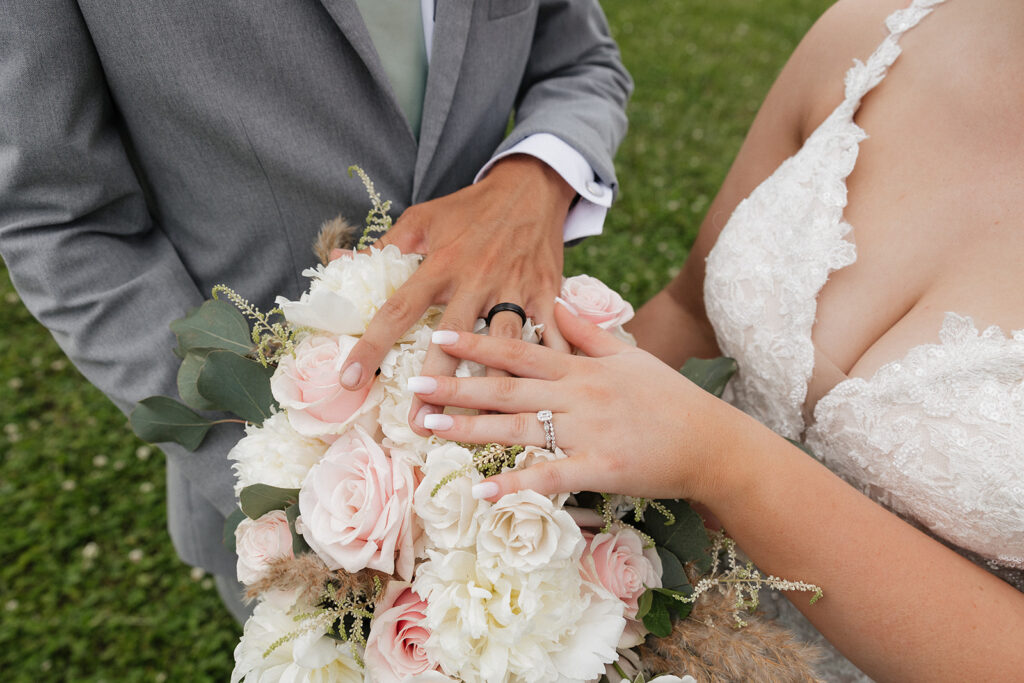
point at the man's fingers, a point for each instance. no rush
(584, 335)
(458, 318)
(399, 313)
(506, 325)
(552, 337)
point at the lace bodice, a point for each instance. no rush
(937, 436)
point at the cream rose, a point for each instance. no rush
(451, 515)
(356, 507)
(525, 531)
(395, 647)
(346, 293)
(258, 542)
(595, 301)
(307, 384)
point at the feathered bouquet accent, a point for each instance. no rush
(368, 556)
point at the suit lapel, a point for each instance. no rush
(348, 18)
(451, 30)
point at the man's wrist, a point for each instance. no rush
(535, 179)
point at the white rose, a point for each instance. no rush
(259, 542)
(451, 516)
(346, 293)
(525, 531)
(309, 658)
(274, 454)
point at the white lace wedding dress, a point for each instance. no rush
(936, 436)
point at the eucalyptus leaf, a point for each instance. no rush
(237, 385)
(686, 538)
(230, 524)
(213, 325)
(299, 545)
(678, 607)
(658, 621)
(644, 603)
(672, 574)
(188, 379)
(159, 419)
(710, 374)
(259, 499)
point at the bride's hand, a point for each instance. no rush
(629, 423)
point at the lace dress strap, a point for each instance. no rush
(862, 77)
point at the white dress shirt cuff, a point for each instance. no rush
(586, 218)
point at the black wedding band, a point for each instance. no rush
(505, 306)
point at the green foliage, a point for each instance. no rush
(685, 537)
(711, 375)
(259, 499)
(213, 325)
(188, 379)
(270, 339)
(237, 385)
(701, 68)
(378, 220)
(230, 524)
(159, 419)
(299, 545)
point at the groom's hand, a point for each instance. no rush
(499, 240)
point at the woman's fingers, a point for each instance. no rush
(585, 335)
(514, 356)
(518, 429)
(503, 394)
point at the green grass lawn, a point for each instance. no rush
(90, 588)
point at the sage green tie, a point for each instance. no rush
(396, 27)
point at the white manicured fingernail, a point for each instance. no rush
(438, 421)
(350, 377)
(444, 337)
(421, 385)
(568, 306)
(485, 489)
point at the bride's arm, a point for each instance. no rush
(899, 604)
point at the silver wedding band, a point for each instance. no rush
(544, 417)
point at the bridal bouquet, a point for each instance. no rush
(360, 540)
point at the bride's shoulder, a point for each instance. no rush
(815, 73)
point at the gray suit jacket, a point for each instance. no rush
(150, 149)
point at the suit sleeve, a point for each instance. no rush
(575, 86)
(75, 231)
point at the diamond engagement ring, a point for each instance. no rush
(544, 417)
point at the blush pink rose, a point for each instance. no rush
(618, 562)
(596, 302)
(356, 507)
(307, 384)
(259, 542)
(396, 646)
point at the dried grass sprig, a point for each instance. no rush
(334, 234)
(308, 574)
(707, 646)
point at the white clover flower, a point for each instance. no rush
(309, 658)
(489, 623)
(346, 293)
(274, 454)
(451, 516)
(524, 531)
